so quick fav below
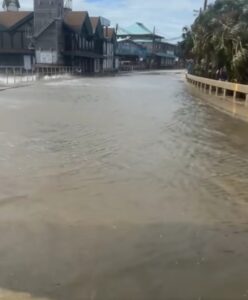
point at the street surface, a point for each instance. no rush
(121, 188)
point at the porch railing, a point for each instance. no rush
(18, 75)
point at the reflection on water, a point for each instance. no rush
(121, 188)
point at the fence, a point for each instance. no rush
(15, 75)
(238, 92)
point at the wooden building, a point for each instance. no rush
(159, 53)
(54, 35)
(109, 49)
(16, 47)
(130, 52)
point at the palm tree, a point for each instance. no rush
(205, 5)
(220, 38)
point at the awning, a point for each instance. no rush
(165, 55)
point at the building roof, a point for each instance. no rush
(94, 22)
(129, 40)
(122, 31)
(109, 32)
(138, 29)
(10, 18)
(75, 19)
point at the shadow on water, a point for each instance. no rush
(125, 261)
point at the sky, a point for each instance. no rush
(167, 16)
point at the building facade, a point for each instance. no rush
(54, 35)
(159, 53)
(130, 52)
(109, 48)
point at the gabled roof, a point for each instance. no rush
(94, 22)
(9, 19)
(135, 30)
(138, 28)
(122, 31)
(109, 32)
(75, 19)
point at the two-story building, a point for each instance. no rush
(159, 53)
(130, 52)
(109, 48)
(53, 35)
(16, 46)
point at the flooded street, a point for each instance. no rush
(123, 188)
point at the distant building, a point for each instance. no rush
(159, 53)
(109, 48)
(130, 52)
(54, 35)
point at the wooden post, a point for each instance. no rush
(217, 91)
(224, 93)
(205, 88)
(246, 100)
(14, 73)
(234, 96)
(210, 90)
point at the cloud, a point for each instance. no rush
(168, 16)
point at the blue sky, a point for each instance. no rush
(168, 16)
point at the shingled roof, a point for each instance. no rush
(75, 19)
(94, 22)
(10, 18)
(109, 32)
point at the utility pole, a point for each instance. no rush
(205, 5)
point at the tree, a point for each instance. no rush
(220, 38)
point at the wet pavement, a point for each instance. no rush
(123, 188)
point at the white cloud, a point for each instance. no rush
(168, 16)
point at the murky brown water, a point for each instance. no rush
(121, 188)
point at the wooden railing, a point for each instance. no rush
(218, 87)
(15, 75)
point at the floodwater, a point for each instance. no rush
(123, 188)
